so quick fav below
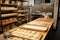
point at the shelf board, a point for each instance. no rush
(3, 4)
(19, 15)
(24, 19)
(8, 10)
(24, 6)
(23, 11)
(9, 22)
(9, 15)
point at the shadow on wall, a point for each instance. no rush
(47, 1)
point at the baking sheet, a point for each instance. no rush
(39, 28)
(27, 34)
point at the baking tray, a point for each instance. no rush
(35, 27)
(26, 34)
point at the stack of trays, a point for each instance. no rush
(27, 34)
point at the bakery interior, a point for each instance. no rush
(29, 19)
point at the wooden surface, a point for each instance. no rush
(48, 24)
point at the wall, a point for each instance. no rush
(31, 2)
(43, 1)
(51, 1)
(38, 2)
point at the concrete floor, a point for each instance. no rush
(54, 35)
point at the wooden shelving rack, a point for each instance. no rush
(11, 14)
(8, 15)
(23, 14)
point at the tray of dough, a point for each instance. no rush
(35, 27)
(38, 23)
(26, 34)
